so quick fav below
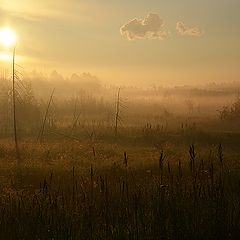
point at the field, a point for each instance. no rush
(151, 164)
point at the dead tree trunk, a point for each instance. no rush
(117, 118)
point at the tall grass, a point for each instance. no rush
(186, 199)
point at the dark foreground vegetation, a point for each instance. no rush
(70, 191)
(141, 164)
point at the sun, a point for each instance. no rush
(7, 37)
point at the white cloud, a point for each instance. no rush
(183, 30)
(151, 27)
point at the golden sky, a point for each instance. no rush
(144, 41)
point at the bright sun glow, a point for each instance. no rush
(7, 37)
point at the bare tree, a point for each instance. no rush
(14, 108)
(41, 133)
(117, 117)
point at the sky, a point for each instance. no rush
(134, 42)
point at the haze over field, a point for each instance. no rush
(138, 42)
(119, 119)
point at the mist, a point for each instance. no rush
(119, 120)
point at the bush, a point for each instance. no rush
(231, 112)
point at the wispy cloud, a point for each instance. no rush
(151, 27)
(44, 10)
(184, 30)
(26, 9)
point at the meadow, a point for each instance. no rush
(150, 164)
